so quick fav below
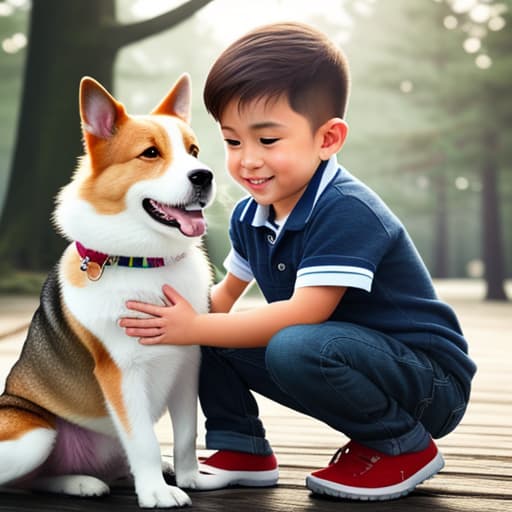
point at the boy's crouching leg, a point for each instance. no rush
(293, 361)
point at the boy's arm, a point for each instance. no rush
(179, 324)
(226, 293)
(255, 327)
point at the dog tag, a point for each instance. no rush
(94, 271)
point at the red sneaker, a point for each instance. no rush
(360, 473)
(226, 468)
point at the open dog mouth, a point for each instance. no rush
(189, 222)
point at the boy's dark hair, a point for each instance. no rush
(290, 59)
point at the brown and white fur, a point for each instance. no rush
(80, 403)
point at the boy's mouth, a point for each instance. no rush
(189, 222)
(258, 181)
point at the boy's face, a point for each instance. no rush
(271, 151)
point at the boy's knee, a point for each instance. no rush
(283, 342)
(284, 355)
(298, 353)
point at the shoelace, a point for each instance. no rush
(346, 449)
(339, 452)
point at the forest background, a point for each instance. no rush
(430, 112)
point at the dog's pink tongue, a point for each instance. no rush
(191, 222)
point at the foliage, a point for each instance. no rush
(418, 109)
(11, 65)
(425, 109)
(21, 283)
(48, 138)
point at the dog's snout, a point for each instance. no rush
(200, 177)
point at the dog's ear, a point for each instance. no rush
(177, 102)
(99, 111)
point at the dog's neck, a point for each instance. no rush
(93, 262)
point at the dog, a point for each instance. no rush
(80, 403)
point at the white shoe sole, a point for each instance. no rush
(219, 478)
(321, 486)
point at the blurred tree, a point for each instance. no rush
(482, 120)
(410, 80)
(440, 122)
(66, 41)
(13, 27)
(493, 129)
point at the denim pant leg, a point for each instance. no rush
(363, 383)
(371, 387)
(226, 380)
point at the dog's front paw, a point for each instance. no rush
(188, 480)
(199, 481)
(164, 496)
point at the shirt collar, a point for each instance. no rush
(258, 215)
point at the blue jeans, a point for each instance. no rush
(365, 384)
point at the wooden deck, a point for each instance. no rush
(478, 472)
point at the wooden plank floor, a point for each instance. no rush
(478, 472)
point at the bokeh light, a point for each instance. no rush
(483, 61)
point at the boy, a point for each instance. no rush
(353, 333)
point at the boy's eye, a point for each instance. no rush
(268, 140)
(232, 142)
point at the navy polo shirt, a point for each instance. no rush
(340, 233)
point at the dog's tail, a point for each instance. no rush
(27, 436)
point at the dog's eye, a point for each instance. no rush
(151, 152)
(193, 150)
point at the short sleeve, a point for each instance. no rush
(236, 261)
(238, 266)
(343, 245)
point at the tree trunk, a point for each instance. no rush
(63, 46)
(492, 238)
(440, 267)
(67, 40)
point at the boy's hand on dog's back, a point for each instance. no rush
(169, 324)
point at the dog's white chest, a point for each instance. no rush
(99, 305)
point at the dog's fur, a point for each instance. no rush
(80, 403)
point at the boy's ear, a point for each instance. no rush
(333, 134)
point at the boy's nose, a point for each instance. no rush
(251, 161)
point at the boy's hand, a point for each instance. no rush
(169, 325)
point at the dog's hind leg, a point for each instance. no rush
(82, 462)
(73, 485)
(26, 441)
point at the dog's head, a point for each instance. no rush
(140, 189)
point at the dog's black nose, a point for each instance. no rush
(200, 177)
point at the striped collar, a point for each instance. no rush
(93, 262)
(260, 215)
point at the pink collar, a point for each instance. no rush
(93, 262)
